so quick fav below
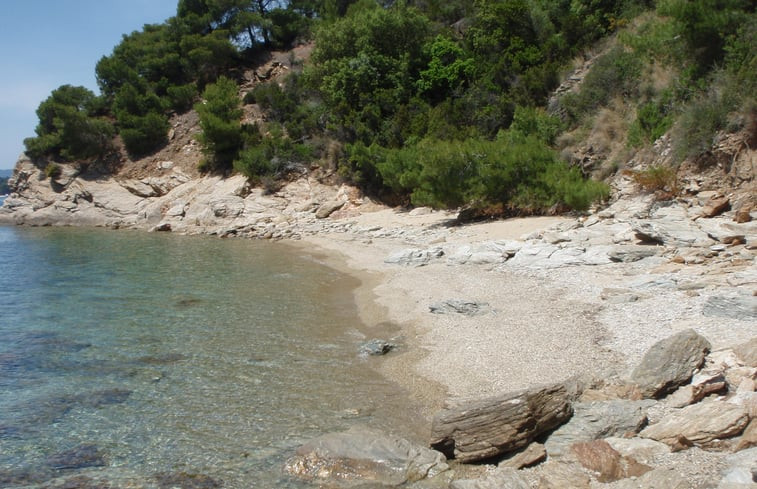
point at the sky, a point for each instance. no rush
(48, 43)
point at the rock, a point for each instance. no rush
(716, 206)
(86, 455)
(532, 455)
(489, 253)
(742, 215)
(663, 477)
(458, 306)
(325, 210)
(485, 428)
(641, 449)
(628, 254)
(609, 465)
(747, 352)
(599, 419)
(501, 478)
(414, 257)
(741, 471)
(699, 424)
(702, 384)
(162, 227)
(670, 363)
(671, 233)
(362, 455)
(377, 347)
(748, 438)
(734, 307)
(561, 475)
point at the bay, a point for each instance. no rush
(136, 358)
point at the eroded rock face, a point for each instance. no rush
(670, 363)
(361, 456)
(481, 429)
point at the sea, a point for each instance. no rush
(133, 359)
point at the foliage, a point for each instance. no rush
(222, 136)
(613, 74)
(514, 171)
(273, 154)
(69, 126)
(656, 178)
(653, 119)
(52, 171)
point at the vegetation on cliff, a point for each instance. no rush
(424, 102)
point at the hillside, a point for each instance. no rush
(467, 111)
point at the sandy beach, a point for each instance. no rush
(545, 324)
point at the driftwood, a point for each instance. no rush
(486, 428)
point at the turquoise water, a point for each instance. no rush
(137, 359)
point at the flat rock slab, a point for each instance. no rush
(670, 363)
(414, 257)
(485, 428)
(361, 456)
(699, 424)
(739, 307)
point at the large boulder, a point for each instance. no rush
(747, 352)
(670, 363)
(699, 424)
(599, 419)
(363, 455)
(485, 428)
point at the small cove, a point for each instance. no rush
(127, 356)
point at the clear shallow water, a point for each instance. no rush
(129, 357)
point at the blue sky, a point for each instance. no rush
(48, 43)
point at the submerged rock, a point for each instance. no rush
(362, 456)
(86, 455)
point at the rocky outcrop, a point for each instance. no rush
(486, 428)
(670, 363)
(699, 425)
(362, 455)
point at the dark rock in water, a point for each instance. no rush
(739, 307)
(24, 477)
(105, 397)
(363, 456)
(377, 347)
(670, 363)
(86, 455)
(163, 359)
(183, 480)
(188, 302)
(458, 306)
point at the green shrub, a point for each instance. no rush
(653, 119)
(68, 127)
(656, 178)
(222, 136)
(52, 171)
(614, 74)
(514, 172)
(182, 97)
